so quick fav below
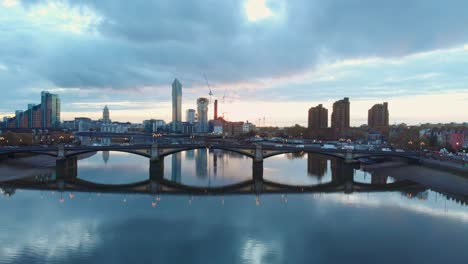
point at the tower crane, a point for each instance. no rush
(208, 84)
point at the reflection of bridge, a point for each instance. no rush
(156, 151)
(66, 180)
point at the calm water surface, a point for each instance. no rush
(424, 225)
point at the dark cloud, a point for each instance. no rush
(143, 43)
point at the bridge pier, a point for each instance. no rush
(257, 170)
(257, 174)
(154, 152)
(349, 157)
(156, 175)
(66, 168)
(61, 152)
(258, 157)
(156, 170)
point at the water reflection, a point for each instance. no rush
(54, 225)
(176, 172)
(113, 168)
(210, 168)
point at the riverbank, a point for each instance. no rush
(29, 166)
(444, 165)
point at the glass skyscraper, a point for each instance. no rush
(176, 105)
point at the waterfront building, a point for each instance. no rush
(50, 105)
(341, 114)
(318, 117)
(377, 118)
(44, 115)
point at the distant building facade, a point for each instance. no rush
(248, 127)
(190, 116)
(318, 117)
(106, 115)
(377, 118)
(154, 125)
(233, 129)
(341, 114)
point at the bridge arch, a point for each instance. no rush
(333, 155)
(204, 147)
(389, 154)
(90, 184)
(76, 153)
(51, 153)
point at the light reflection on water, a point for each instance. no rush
(421, 225)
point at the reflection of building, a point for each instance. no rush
(176, 104)
(215, 163)
(190, 154)
(316, 165)
(202, 107)
(176, 167)
(201, 163)
(7, 191)
(378, 179)
(341, 171)
(105, 156)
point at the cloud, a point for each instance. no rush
(141, 44)
(302, 50)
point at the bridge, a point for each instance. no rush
(66, 179)
(157, 151)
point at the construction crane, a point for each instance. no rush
(208, 84)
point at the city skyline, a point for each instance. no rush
(251, 76)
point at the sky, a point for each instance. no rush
(266, 61)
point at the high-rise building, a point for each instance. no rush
(377, 117)
(44, 115)
(50, 105)
(190, 116)
(318, 117)
(202, 108)
(176, 105)
(105, 115)
(340, 114)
